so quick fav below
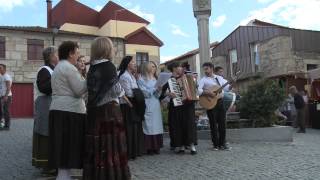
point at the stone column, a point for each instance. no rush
(203, 38)
(202, 12)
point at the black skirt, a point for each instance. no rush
(39, 150)
(66, 139)
(182, 125)
(134, 132)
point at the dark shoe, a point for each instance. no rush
(225, 148)
(5, 128)
(49, 172)
(193, 152)
(150, 152)
(181, 151)
(215, 148)
(301, 131)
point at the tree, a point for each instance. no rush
(260, 101)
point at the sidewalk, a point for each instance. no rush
(297, 160)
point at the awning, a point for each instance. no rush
(314, 74)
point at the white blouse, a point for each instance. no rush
(128, 82)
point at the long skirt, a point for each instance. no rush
(66, 139)
(134, 132)
(40, 150)
(182, 125)
(105, 144)
(153, 143)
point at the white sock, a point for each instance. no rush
(63, 174)
(192, 147)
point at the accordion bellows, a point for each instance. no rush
(184, 88)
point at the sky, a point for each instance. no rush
(173, 20)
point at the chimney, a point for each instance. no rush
(49, 9)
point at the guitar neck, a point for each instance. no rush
(223, 86)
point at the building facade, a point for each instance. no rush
(268, 50)
(111, 21)
(21, 47)
(192, 58)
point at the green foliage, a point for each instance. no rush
(260, 101)
(165, 118)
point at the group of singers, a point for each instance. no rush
(96, 120)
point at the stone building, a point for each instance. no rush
(192, 58)
(21, 47)
(268, 50)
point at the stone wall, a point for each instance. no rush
(277, 57)
(24, 70)
(222, 62)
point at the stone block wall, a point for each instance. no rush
(23, 70)
(277, 57)
(222, 62)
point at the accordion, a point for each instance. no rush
(184, 88)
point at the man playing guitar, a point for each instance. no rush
(216, 115)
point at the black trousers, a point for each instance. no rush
(217, 120)
(5, 111)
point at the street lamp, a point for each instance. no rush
(55, 31)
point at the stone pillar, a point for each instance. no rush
(203, 38)
(202, 12)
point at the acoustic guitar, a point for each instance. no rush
(209, 102)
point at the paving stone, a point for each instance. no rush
(246, 161)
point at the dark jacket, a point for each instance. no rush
(298, 101)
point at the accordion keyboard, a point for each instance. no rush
(175, 88)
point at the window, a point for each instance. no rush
(35, 48)
(141, 58)
(254, 53)
(233, 61)
(311, 66)
(2, 47)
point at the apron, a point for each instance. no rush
(41, 109)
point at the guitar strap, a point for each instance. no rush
(218, 81)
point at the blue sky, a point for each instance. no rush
(173, 21)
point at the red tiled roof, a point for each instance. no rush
(72, 11)
(40, 30)
(143, 36)
(190, 53)
(111, 10)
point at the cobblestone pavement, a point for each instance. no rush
(246, 161)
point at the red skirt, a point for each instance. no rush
(153, 142)
(105, 144)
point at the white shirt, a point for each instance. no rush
(68, 88)
(4, 78)
(128, 82)
(206, 83)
